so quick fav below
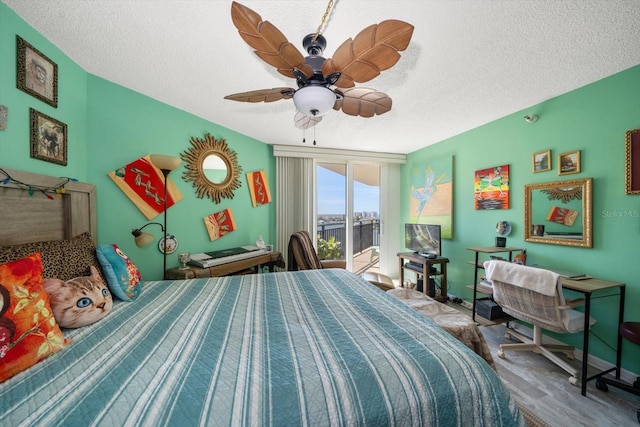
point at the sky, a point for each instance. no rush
(331, 194)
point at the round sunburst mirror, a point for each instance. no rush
(212, 167)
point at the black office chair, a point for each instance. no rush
(631, 332)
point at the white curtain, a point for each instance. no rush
(295, 198)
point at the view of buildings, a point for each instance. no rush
(340, 218)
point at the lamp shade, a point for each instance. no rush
(314, 100)
(143, 239)
(164, 162)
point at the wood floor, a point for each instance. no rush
(542, 387)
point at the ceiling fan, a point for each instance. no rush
(357, 60)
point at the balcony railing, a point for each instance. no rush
(366, 233)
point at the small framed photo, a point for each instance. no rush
(48, 138)
(541, 161)
(569, 162)
(37, 75)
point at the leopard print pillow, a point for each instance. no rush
(62, 259)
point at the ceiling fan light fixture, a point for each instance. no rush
(314, 100)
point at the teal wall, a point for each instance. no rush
(124, 126)
(593, 119)
(110, 126)
(72, 103)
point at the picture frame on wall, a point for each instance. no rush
(491, 188)
(569, 162)
(541, 161)
(37, 75)
(632, 167)
(48, 138)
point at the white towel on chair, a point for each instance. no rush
(536, 279)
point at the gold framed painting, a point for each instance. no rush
(632, 167)
(48, 138)
(4, 117)
(569, 162)
(541, 161)
(37, 75)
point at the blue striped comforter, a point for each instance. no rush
(283, 349)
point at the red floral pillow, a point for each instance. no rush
(28, 330)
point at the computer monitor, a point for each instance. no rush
(423, 238)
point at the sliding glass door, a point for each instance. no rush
(331, 210)
(348, 213)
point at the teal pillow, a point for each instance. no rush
(123, 277)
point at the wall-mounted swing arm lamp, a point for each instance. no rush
(167, 244)
(142, 238)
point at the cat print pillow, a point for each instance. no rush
(80, 301)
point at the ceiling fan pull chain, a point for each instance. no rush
(324, 18)
(304, 131)
(314, 135)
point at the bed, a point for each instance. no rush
(314, 348)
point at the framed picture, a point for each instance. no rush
(37, 75)
(569, 162)
(632, 169)
(541, 161)
(491, 188)
(48, 138)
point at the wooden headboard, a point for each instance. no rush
(28, 218)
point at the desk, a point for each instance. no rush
(249, 265)
(588, 287)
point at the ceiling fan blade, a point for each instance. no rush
(263, 95)
(268, 42)
(306, 122)
(363, 102)
(373, 50)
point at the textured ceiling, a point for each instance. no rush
(469, 61)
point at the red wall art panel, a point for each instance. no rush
(220, 223)
(143, 184)
(259, 188)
